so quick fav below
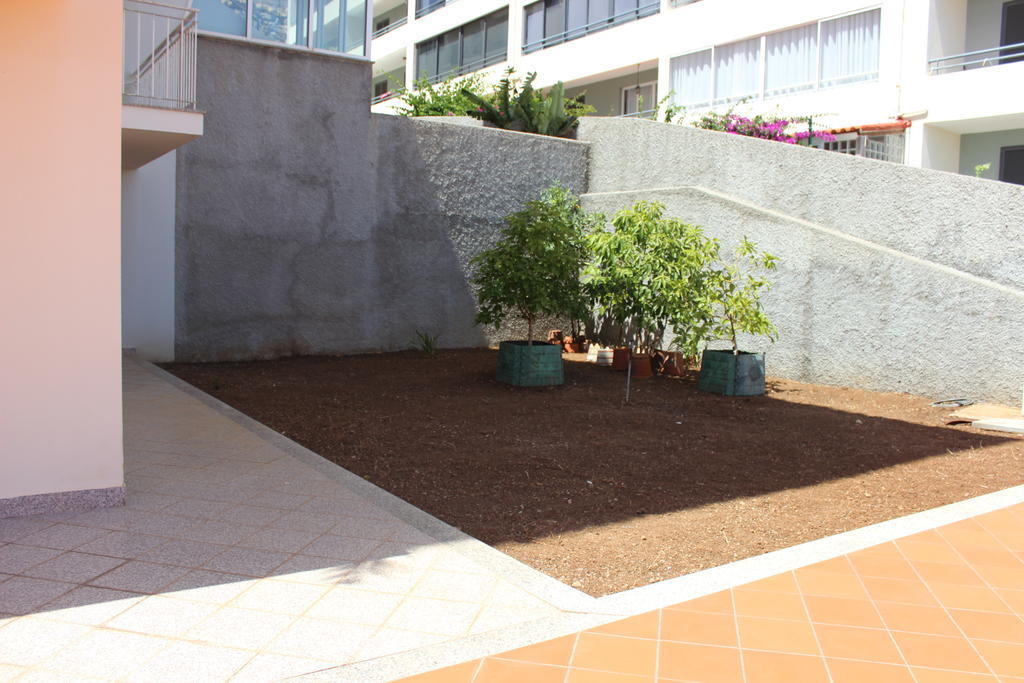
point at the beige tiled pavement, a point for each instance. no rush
(231, 560)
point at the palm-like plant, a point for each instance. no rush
(526, 109)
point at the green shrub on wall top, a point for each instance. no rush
(534, 270)
(447, 98)
(518, 106)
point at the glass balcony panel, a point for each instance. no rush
(222, 16)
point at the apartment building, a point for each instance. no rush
(929, 83)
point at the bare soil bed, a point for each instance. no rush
(606, 496)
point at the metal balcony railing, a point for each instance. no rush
(646, 9)
(159, 55)
(382, 97)
(424, 7)
(402, 21)
(992, 56)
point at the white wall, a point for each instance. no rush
(60, 358)
(147, 259)
(984, 148)
(941, 149)
(984, 24)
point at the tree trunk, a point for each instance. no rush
(529, 330)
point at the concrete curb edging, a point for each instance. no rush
(541, 585)
(580, 611)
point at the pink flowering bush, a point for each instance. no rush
(764, 127)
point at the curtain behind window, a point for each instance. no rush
(849, 48)
(690, 76)
(737, 70)
(791, 60)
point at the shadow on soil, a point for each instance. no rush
(508, 464)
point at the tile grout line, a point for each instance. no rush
(881, 618)
(942, 606)
(739, 638)
(657, 648)
(814, 631)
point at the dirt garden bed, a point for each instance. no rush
(607, 497)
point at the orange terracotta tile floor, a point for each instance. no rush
(940, 606)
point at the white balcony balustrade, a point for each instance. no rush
(159, 55)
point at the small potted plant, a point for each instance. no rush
(532, 272)
(643, 276)
(735, 299)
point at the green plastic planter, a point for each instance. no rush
(721, 372)
(523, 365)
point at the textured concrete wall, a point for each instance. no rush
(949, 219)
(856, 314)
(304, 225)
(443, 192)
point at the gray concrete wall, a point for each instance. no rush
(851, 313)
(984, 148)
(304, 225)
(953, 220)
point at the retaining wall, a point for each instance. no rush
(306, 225)
(967, 224)
(853, 313)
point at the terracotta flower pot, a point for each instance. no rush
(641, 364)
(620, 359)
(669, 363)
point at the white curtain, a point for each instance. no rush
(638, 98)
(691, 79)
(737, 70)
(849, 48)
(791, 60)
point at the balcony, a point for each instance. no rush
(977, 59)
(425, 7)
(540, 34)
(384, 30)
(158, 91)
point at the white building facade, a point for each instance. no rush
(930, 83)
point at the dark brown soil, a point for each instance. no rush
(604, 496)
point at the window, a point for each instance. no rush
(737, 70)
(468, 48)
(1011, 165)
(550, 22)
(791, 60)
(823, 54)
(885, 147)
(639, 99)
(424, 7)
(691, 79)
(1012, 31)
(336, 25)
(849, 48)
(380, 88)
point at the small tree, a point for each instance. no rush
(515, 105)
(648, 274)
(447, 98)
(735, 295)
(534, 270)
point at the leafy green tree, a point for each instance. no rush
(534, 270)
(447, 98)
(649, 273)
(734, 293)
